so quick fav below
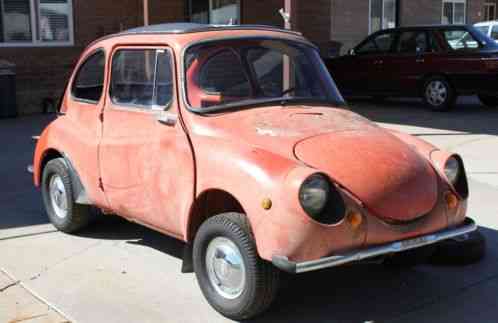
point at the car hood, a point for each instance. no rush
(392, 180)
(387, 175)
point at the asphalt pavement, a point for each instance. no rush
(120, 272)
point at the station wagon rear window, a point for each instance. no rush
(238, 72)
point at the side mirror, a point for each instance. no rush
(351, 52)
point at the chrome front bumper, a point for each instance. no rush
(354, 256)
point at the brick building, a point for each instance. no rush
(45, 37)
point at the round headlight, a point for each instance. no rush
(452, 170)
(314, 194)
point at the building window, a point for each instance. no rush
(36, 23)
(489, 11)
(454, 12)
(218, 12)
(383, 14)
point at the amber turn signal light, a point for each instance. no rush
(266, 204)
(451, 200)
(355, 219)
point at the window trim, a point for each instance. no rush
(487, 6)
(140, 107)
(35, 30)
(78, 70)
(453, 5)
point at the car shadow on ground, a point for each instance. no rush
(468, 116)
(357, 293)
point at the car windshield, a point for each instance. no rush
(483, 29)
(247, 72)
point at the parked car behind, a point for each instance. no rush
(235, 140)
(436, 63)
(489, 28)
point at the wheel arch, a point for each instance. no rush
(209, 203)
(79, 192)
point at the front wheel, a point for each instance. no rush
(438, 94)
(489, 100)
(232, 277)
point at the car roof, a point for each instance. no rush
(486, 23)
(189, 27)
(438, 26)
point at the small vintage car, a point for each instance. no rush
(436, 63)
(236, 140)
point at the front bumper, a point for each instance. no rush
(285, 264)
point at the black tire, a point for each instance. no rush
(77, 216)
(261, 277)
(489, 100)
(464, 251)
(410, 258)
(447, 98)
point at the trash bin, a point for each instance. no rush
(8, 105)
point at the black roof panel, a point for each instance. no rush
(188, 27)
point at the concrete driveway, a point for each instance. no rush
(121, 272)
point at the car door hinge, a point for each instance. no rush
(101, 184)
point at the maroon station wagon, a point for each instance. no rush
(437, 63)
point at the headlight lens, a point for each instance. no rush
(452, 170)
(314, 194)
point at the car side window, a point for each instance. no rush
(460, 39)
(494, 32)
(411, 42)
(89, 81)
(379, 44)
(141, 78)
(224, 74)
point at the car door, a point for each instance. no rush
(146, 161)
(409, 63)
(366, 64)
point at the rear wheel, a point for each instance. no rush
(489, 100)
(438, 94)
(232, 277)
(63, 212)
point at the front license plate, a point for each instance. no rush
(414, 242)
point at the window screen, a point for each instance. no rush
(141, 78)
(89, 81)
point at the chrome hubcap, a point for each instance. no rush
(58, 196)
(436, 93)
(225, 268)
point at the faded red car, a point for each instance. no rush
(235, 140)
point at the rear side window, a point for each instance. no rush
(411, 42)
(89, 81)
(141, 78)
(460, 39)
(494, 32)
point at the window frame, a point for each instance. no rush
(139, 107)
(210, 10)
(487, 6)
(78, 70)
(453, 2)
(396, 16)
(35, 13)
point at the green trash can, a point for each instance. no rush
(8, 105)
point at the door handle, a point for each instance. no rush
(420, 60)
(378, 62)
(167, 119)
